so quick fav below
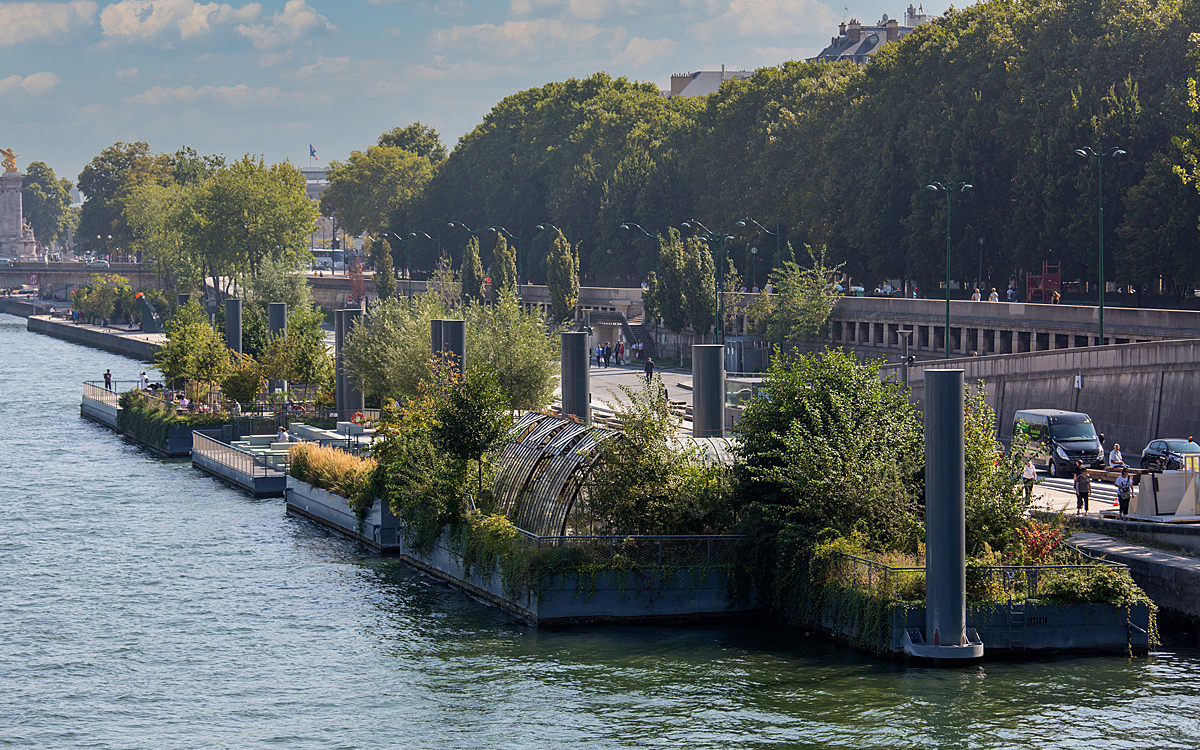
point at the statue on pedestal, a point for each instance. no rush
(10, 160)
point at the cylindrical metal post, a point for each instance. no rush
(576, 376)
(277, 318)
(708, 390)
(339, 376)
(454, 343)
(233, 324)
(435, 336)
(352, 399)
(945, 524)
(277, 325)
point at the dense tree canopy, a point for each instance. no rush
(45, 202)
(999, 94)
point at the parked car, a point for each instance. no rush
(1056, 439)
(6, 262)
(1167, 453)
(97, 263)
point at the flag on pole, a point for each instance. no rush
(312, 152)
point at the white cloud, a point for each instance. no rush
(769, 18)
(271, 59)
(296, 20)
(588, 10)
(43, 22)
(640, 51)
(240, 96)
(34, 83)
(146, 20)
(521, 38)
(127, 73)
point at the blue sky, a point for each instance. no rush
(272, 76)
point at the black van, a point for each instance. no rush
(1056, 439)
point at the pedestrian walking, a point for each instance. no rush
(108, 380)
(649, 369)
(994, 296)
(975, 297)
(607, 355)
(1083, 488)
(1029, 474)
(620, 352)
(1124, 491)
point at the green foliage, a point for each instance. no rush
(1101, 585)
(381, 261)
(562, 279)
(512, 344)
(280, 280)
(645, 483)
(471, 416)
(670, 301)
(107, 181)
(300, 355)
(150, 421)
(106, 296)
(45, 202)
(803, 302)
(244, 381)
(699, 286)
(504, 267)
(366, 190)
(996, 505)
(471, 273)
(389, 352)
(418, 139)
(834, 445)
(193, 350)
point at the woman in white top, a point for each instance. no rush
(975, 296)
(1124, 491)
(993, 297)
(1030, 476)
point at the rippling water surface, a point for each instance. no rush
(144, 605)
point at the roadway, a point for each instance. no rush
(1058, 495)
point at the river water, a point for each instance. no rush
(145, 605)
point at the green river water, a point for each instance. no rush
(145, 605)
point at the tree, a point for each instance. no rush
(45, 202)
(385, 277)
(418, 139)
(562, 279)
(644, 483)
(106, 296)
(471, 273)
(512, 344)
(504, 267)
(699, 286)
(279, 280)
(364, 192)
(106, 182)
(246, 213)
(193, 350)
(156, 215)
(834, 446)
(995, 500)
(804, 300)
(669, 300)
(471, 418)
(389, 352)
(244, 381)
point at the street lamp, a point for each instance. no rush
(754, 266)
(778, 235)
(1100, 155)
(709, 238)
(949, 189)
(629, 226)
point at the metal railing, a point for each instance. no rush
(234, 458)
(710, 550)
(992, 581)
(95, 390)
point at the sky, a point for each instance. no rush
(272, 77)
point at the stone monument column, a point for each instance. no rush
(16, 240)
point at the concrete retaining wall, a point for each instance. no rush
(98, 411)
(127, 345)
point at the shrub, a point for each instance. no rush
(336, 471)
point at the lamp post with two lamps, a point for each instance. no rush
(948, 189)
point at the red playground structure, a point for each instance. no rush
(1040, 287)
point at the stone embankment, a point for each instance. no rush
(124, 341)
